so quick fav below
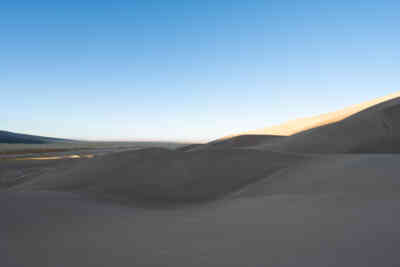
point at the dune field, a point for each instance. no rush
(321, 191)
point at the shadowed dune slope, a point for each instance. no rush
(374, 130)
(152, 176)
(188, 147)
(241, 141)
(355, 175)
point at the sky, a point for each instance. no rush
(189, 70)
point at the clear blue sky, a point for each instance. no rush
(189, 70)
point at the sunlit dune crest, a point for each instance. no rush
(302, 124)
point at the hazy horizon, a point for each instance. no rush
(189, 72)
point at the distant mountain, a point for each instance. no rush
(16, 138)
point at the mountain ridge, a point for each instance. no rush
(17, 138)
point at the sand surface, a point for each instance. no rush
(328, 196)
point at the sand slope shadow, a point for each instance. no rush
(241, 141)
(160, 176)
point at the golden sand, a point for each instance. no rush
(89, 156)
(302, 124)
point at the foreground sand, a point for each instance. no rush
(341, 210)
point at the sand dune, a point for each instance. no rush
(241, 141)
(161, 176)
(303, 124)
(188, 147)
(340, 210)
(374, 130)
(370, 127)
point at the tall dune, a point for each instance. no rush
(302, 124)
(374, 130)
(369, 127)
